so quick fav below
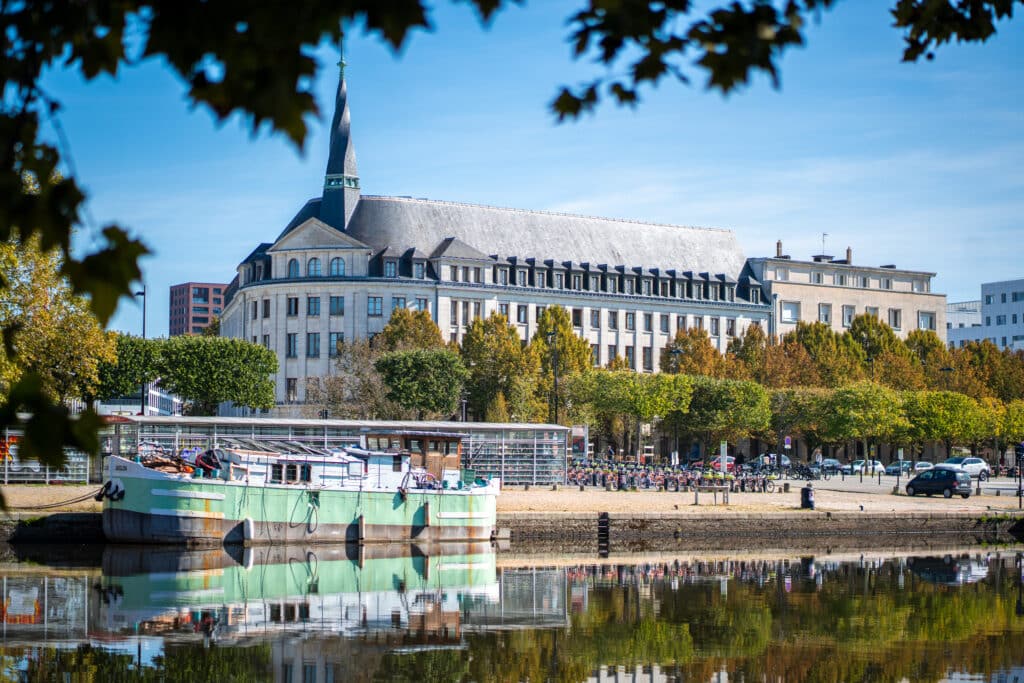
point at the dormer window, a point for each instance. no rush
(730, 293)
(503, 276)
(611, 285)
(539, 278)
(293, 268)
(559, 281)
(647, 287)
(259, 271)
(629, 286)
(595, 283)
(390, 269)
(521, 275)
(418, 270)
(755, 295)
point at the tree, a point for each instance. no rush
(692, 353)
(799, 412)
(498, 364)
(406, 330)
(639, 395)
(53, 334)
(207, 371)
(357, 391)
(573, 353)
(428, 381)
(864, 411)
(135, 364)
(941, 416)
(213, 329)
(726, 410)
(787, 364)
(837, 358)
(750, 350)
(901, 371)
(874, 337)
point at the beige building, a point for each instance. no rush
(834, 291)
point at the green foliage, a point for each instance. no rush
(874, 337)
(134, 365)
(799, 412)
(943, 416)
(428, 381)
(406, 330)
(692, 353)
(206, 371)
(864, 410)
(572, 352)
(498, 364)
(838, 358)
(727, 410)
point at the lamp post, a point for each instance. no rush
(553, 339)
(675, 352)
(143, 295)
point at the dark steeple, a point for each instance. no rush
(341, 182)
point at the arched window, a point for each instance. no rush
(293, 268)
(337, 266)
(313, 268)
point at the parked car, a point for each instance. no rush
(944, 480)
(948, 571)
(922, 465)
(830, 465)
(976, 467)
(867, 466)
(776, 460)
(899, 467)
(714, 463)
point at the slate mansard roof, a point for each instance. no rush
(423, 224)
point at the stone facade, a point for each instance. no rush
(835, 291)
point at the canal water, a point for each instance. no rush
(467, 613)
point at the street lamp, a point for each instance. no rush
(675, 352)
(143, 295)
(553, 339)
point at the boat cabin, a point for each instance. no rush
(439, 453)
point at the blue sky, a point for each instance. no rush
(914, 164)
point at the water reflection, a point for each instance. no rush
(461, 612)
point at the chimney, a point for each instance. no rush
(778, 249)
(849, 256)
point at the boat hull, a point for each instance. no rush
(160, 508)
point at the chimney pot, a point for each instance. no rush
(778, 249)
(849, 255)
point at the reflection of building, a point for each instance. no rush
(834, 291)
(346, 260)
(1000, 318)
(194, 305)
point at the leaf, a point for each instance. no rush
(106, 275)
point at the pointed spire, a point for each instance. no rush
(341, 182)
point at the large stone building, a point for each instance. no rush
(346, 260)
(1000, 317)
(834, 291)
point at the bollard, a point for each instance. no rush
(582, 487)
(879, 478)
(554, 487)
(785, 487)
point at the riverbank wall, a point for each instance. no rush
(624, 531)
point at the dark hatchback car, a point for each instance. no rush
(944, 480)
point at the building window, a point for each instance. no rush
(577, 282)
(714, 326)
(595, 355)
(680, 322)
(540, 278)
(477, 309)
(390, 269)
(595, 283)
(646, 287)
(313, 306)
(255, 310)
(848, 313)
(453, 316)
(790, 311)
(1000, 320)
(539, 312)
(886, 283)
(522, 314)
(453, 273)
(698, 322)
(266, 308)
(611, 285)
(336, 339)
(397, 302)
(895, 318)
(613, 352)
(755, 295)
(419, 270)
(988, 298)
(559, 281)
(503, 310)
(266, 341)
(595, 317)
(337, 266)
(422, 305)
(293, 268)
(730, 327)
(922, 286)
(337, 305)
(630, 358)
(521, 278)
(664, 323)
(871, 310)
(292, 345)
(374, 306)
(825, 313)
(648, 322)
(291, 395)
(577, 317)
(629, 285)
(613, 320)
(926, 320)
(478, 275)
(840, 279)
(817, 277)
(465, 274)
(313, 267)
(293, 306)
(782, 274)
(502, 276)
(1002, 299)
(630, 320)
(988, 321)
(312, 344)
(647, 356)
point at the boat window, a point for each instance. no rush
(306, 472)
(355, 469)
(435, 445)
(372, 443)
(291, 472)
(396, 444)
(415, 445)
(396, 463)
(275, 473)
